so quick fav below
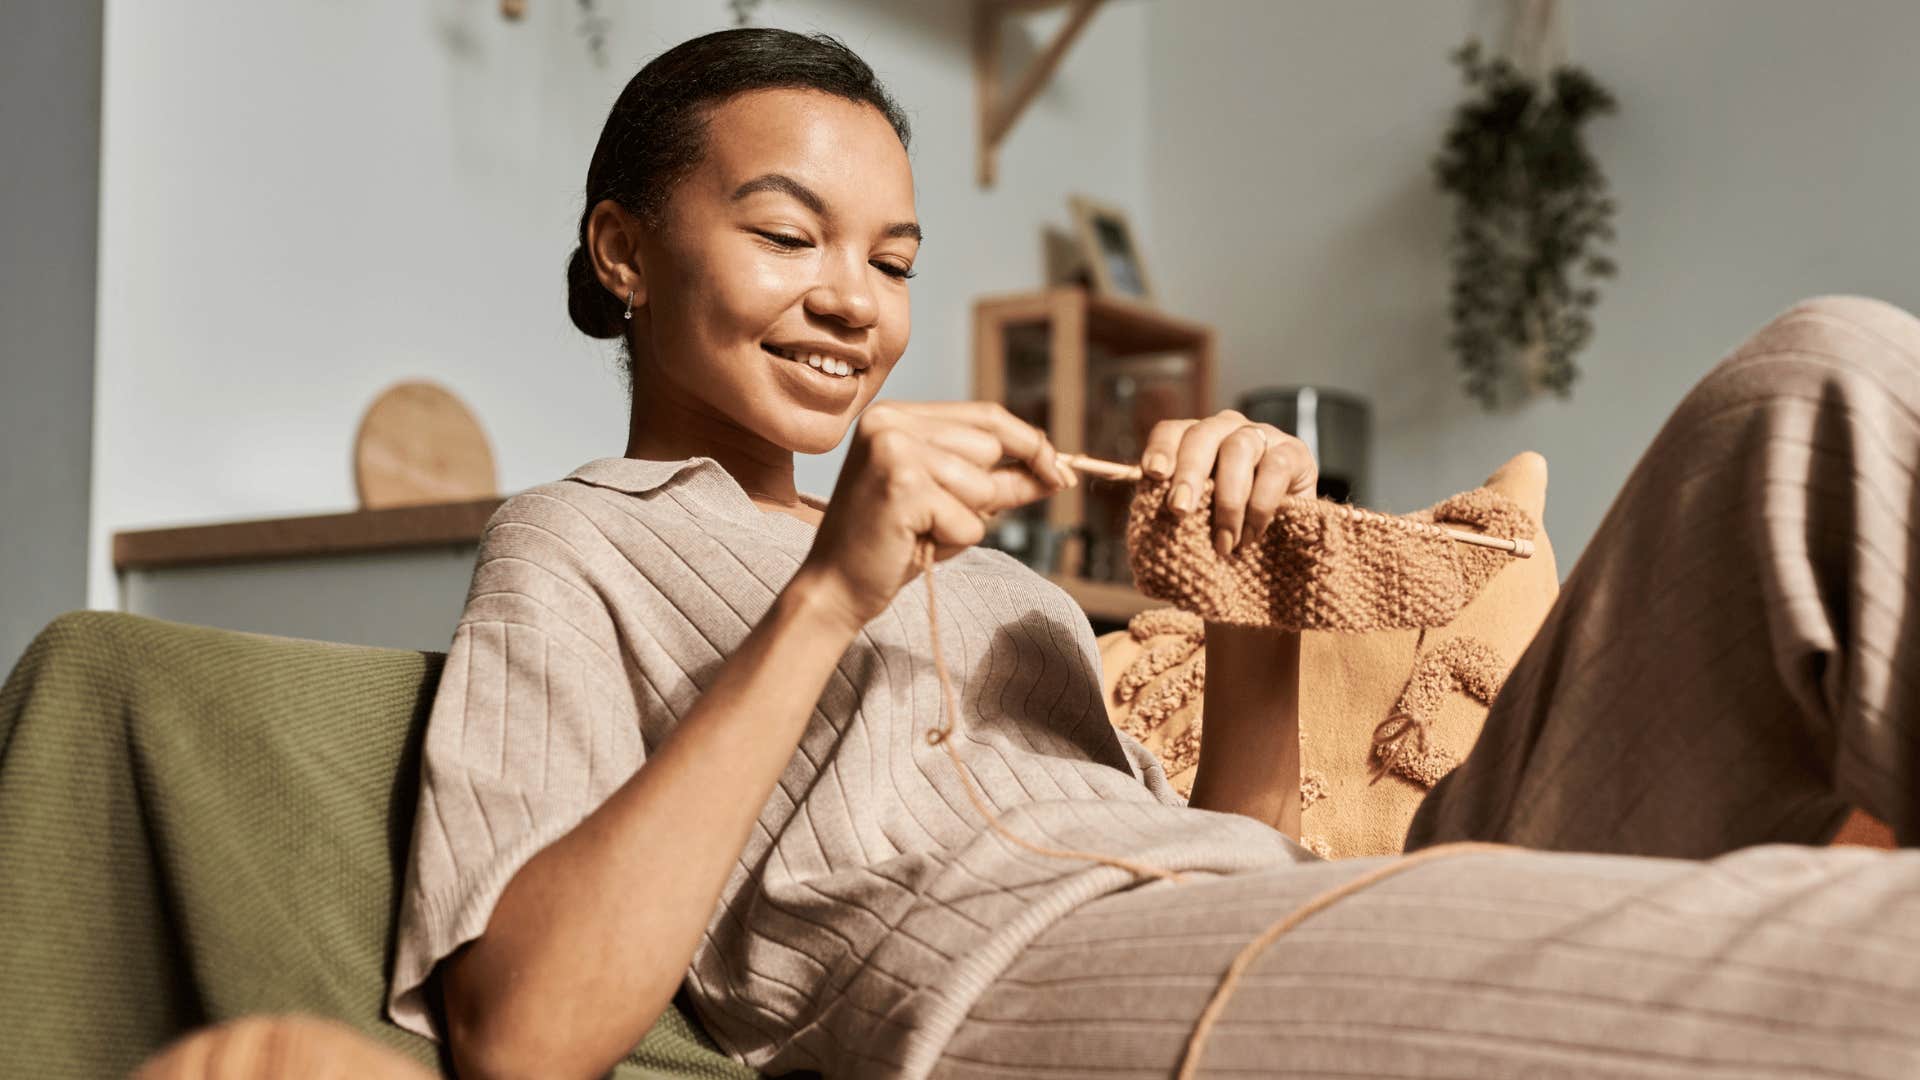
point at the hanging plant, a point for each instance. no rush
(1531, 212)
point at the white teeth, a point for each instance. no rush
(818, 361)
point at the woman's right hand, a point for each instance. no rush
(917, 471)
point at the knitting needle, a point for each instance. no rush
(1114, 470)
(1106, 470)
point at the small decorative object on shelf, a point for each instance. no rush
(1109, 250)
(419, 444)
(1531, 210)
(1096, 373)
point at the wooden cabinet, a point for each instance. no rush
(1054, 357)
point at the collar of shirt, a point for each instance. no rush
(709, 485)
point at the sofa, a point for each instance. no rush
(197, 825)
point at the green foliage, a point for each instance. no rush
(1531, 212)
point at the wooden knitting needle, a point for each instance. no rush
(1114, 470)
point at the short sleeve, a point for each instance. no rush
(534, 724)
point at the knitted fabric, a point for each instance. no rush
(1321, 565)
(1383, 714)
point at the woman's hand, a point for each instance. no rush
(1253, 467)
(916, 471)
(1250, 749)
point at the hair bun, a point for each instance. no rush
(593, 309)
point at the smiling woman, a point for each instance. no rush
(679, 743)
(723, 223)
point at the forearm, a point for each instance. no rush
(1250, 727)
(591, 938)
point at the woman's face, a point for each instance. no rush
(775, 285)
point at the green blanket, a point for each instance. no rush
(197, 824)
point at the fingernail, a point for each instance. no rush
(1156, 465)
(1223, 542)
(1182, 500)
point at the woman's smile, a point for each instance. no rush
(813, 379)
(827, 360)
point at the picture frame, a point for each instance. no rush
(1110, 250)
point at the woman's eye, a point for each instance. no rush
(892, 270)
(783, 240)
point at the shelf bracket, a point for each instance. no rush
(997, 116)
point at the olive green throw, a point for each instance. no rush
(197, 824)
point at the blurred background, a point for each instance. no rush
(227, 227)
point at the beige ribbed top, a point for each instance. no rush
(873, 905)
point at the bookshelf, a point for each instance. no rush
(1055, 357)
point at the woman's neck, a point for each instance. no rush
(661, 430)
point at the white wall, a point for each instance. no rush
(1765, 150)
(49, 199)
(302, 203)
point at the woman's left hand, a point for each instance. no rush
(1253, 467)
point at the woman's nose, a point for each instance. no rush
(845, 295)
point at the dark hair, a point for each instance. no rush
(656, 133)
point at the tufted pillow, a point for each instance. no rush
(1383, 714)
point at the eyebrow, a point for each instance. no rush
(806, 197)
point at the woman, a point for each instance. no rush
(680, 736)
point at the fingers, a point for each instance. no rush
(986, 491)
(975, 487)
(1163, 443)
(984, 432)
(1193, 462)
(1286, 471)
(1234, 478)
(1254, 468)
(951, 524)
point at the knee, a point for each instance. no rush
(1857, 331)
(1821, 349)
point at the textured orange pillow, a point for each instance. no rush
(1350, 685)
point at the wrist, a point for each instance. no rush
(815, 602)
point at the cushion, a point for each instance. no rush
(1350, 685)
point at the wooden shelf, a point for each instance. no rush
(355, 532)
(998, 109)
(1072, 319)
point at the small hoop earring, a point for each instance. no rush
(628, 314)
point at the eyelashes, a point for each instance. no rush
(795, 243)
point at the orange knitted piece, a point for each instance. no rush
(1321, 565)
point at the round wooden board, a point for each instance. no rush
(418, 443)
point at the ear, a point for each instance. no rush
(613, 243)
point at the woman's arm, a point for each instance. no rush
(591, 938)
(1250, 715)
(1250, 727)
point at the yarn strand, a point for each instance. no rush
(1196, 1043)
(943, 736)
